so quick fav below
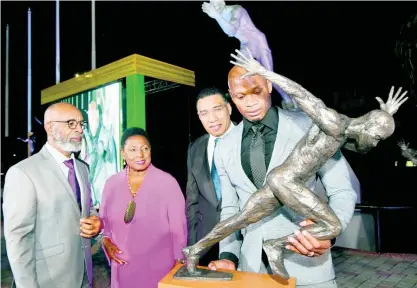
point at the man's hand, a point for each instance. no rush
(210, 10)
(222, 264)
(90, 226)
(306, 244)
(112, 251)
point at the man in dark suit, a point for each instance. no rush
(203, 193)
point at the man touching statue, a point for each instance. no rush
(235, 21)
(289, 185)
(261, 142)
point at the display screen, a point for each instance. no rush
(102, 108)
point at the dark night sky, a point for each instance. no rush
(325, 46)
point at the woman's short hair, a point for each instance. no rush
(133, 131)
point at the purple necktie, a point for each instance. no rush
(72, 179)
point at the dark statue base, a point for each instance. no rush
(202, 275)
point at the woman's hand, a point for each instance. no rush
(112, 251)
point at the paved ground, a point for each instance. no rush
(353, 269)
(363, 269)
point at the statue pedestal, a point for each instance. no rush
(240, 279)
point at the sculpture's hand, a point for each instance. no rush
(222, 264)
(403, 145)
(306, 244)
(393, 103)
(210, 10)
(248, 63)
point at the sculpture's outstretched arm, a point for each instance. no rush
(326, 118)
(412, 152)
(228, 27)
(407, 152)
(410, 155)
(23, 140)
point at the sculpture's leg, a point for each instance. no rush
(304, 202)
(265, 60)
(275, 258)
(261, 204)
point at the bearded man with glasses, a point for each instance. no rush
(48, 214)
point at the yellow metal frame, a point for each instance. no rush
(134, 64)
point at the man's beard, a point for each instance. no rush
(64, 145)
(68, 146)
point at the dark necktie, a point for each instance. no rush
(257, 156)
(215, 176)
(72, 179)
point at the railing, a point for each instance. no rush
(376, 211)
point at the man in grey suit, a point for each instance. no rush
(203, 195)
(280, 131)
(48, 213)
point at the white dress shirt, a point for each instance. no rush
(210, 145)
(60, 159)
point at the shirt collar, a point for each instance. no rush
(58, 156)
(270, 120)
(212, 138)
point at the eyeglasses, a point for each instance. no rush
(216, 111)
(72, 124)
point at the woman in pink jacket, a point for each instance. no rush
(143, 211)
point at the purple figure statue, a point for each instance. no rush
(31, 139)
(235, 22)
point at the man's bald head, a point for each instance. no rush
(56, 110)
(63, 124)
(237, 71)
(235, 74)
(251, 94)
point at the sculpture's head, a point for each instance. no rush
(251, 95)
(214, 110)
(371, 128)
(218, 4)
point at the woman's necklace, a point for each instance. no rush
(131, 207)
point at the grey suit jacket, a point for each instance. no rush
(42, 224)
(237, 188)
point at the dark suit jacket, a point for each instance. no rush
(203, 208)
